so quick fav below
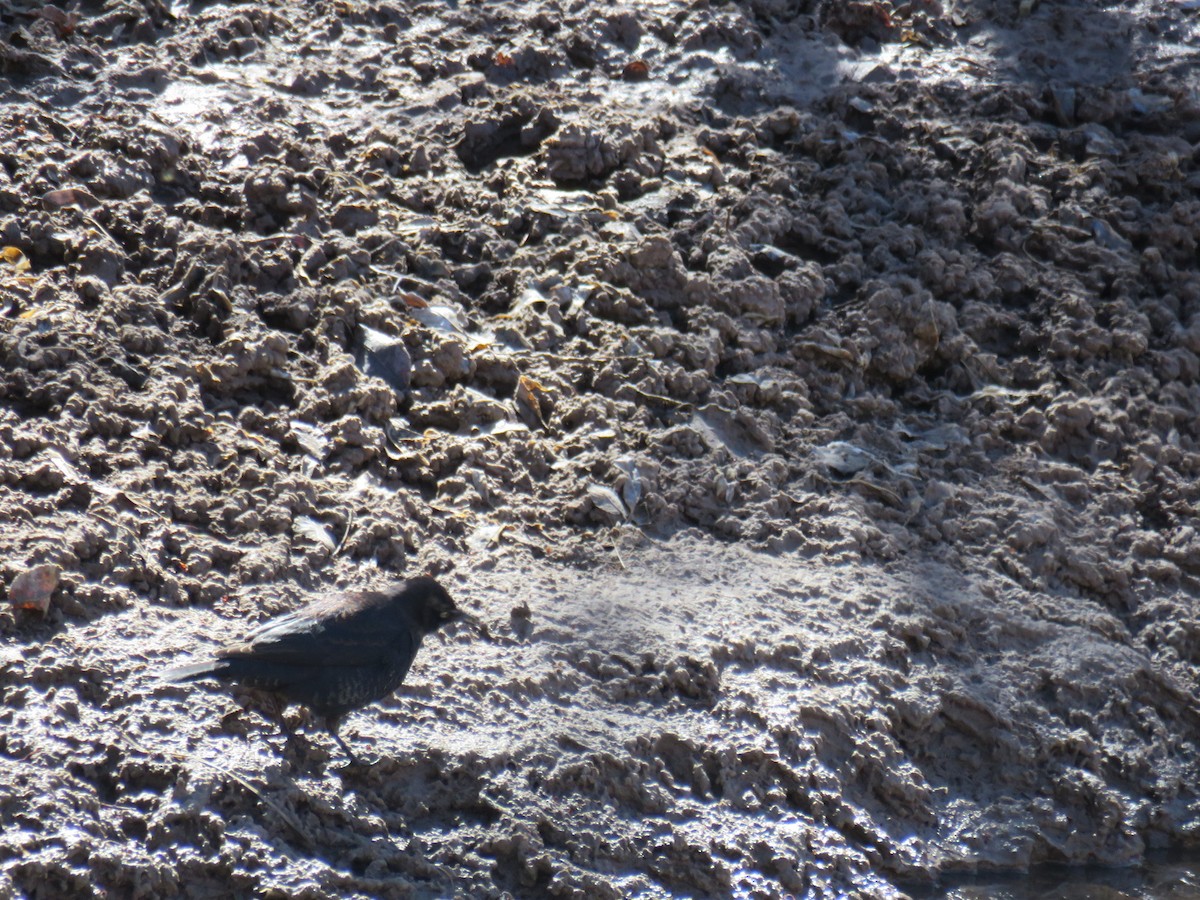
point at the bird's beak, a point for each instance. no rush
(476, 621)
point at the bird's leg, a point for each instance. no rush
(276, 711)
(280, 716)
(349, 753)
(332, 723)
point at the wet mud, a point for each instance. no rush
(805, 393)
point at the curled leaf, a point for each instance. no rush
(528, 299)
(33, 587)
(606, 499)
(72, 196)
(636, 70)
(14, 258)
(578, 297)
(529, 402)
(631, 490)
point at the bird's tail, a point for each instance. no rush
(193, 671)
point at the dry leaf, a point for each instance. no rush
(33, 587)
(579, 296)
(311, 438)
(65, 466)
(69, 197)
(561, 204)
(314, 531)
(442, 319)
(386, 357)
(843, 459)
(827, 349)
(499, 427)
(529, 298)
(15, 258)
(631, 490)
(637, 70)
(528, 399)
(485, 536)
(415, 226)
(606, 498)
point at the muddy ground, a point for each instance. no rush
(805, 393)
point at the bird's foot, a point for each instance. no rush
(355, 762)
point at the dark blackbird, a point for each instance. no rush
(338, 653)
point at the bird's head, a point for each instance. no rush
(432, 606)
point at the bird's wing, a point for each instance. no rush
(312, 637)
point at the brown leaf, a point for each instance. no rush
(33, 587)
(528, 399)
(637, 70)
(15, 258)
(69, 197)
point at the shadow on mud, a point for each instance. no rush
(807, 48)
(1163, 874)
